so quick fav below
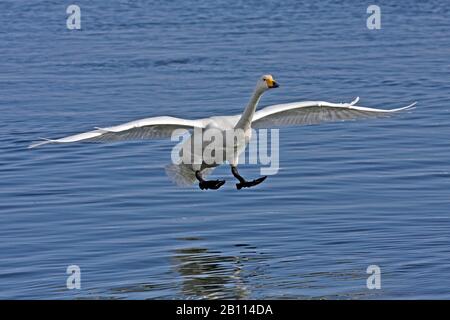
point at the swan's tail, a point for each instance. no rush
(183, 175)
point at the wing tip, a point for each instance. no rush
(412, 105)
(408, 107)
(40, 143)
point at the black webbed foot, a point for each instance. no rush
(208, 184)
(211, 184)
(248, 184)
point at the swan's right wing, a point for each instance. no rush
(150, 128)
(315, 112)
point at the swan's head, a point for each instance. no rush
(267, 82)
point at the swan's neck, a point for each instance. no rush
(246, 118)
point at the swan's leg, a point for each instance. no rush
(244, 183)
(208, 184)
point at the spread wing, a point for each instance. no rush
(314, 112)
(150, 128)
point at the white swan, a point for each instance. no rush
(296, 113)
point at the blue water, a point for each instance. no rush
(348, 194)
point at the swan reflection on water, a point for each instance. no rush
(213, 275)
(196, 272)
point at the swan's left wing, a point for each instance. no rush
(314, 112)
(150, 128)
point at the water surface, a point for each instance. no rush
(347, 195)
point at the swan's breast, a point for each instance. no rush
(223, 122)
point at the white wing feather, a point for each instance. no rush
(297, 113)
(149, 128)
(314, 112)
